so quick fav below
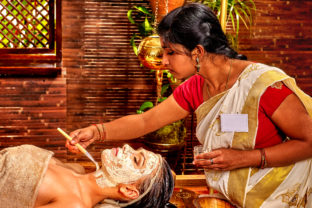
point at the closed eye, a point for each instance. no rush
(139, 159)
(136, 160)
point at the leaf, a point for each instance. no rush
(143, 10)
(145, 28)
(239, 16)
(145, 105)
(129, 15)
(161, 99)
(132, 43)
(139, 112)
(237, 23)
(232, 20)
(164, 89)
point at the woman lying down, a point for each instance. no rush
(31, 177)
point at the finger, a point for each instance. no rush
(212, 164)
(212, 167)
(203, 162)
(84, 144)
(74, 134)
(217, 166)
(75, 137)
(211, 154)
(202, 156)
(71, 148)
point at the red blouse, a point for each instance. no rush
(189, 96)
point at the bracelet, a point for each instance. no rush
(104, 133)
(98, 130)
(263, 163)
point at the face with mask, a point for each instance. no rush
(125, 165)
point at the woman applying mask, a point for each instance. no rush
(252, 119)
(128, 178)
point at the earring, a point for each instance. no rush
(197, 65)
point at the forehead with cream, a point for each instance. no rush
(120, 166)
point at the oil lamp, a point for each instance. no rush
(150, 52)
(150, 55)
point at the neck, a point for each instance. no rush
(216, 73)
(220, 74)
(92, 193)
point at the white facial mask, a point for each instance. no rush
(119, 165)
(101, 180)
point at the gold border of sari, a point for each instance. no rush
(238, 178)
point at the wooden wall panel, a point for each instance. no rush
(104, 77)
(282, 36)
(31, 109)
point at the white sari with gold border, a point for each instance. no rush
(288, 186)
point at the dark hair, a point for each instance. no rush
(196, 24)
(161, 190)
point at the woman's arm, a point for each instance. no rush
(131, 126)
(137, 125)
(290, 117)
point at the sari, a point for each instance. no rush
(288, 186)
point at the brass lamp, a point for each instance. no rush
(150, 52)
(150, 55)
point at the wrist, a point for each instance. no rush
(101, 132)
(249, 158)
(96, 134)
(263, 160)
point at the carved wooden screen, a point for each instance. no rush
(29, 29)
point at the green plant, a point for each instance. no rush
(237, 11)
(148, 104)
(175, 132)
(142, 18)
(170, 134)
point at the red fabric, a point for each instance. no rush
(268, 134)
(189, 96)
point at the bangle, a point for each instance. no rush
(101, 130)
(263, 163)
(104, 133)
(98, 131)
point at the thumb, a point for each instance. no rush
(75, 137)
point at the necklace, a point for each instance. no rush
(227, 80)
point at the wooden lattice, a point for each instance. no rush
(27, 24)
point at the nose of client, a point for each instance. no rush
(127, 149)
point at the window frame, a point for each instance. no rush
(36, 61)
